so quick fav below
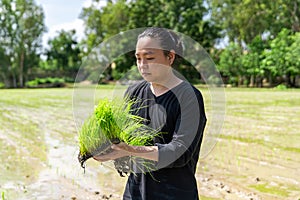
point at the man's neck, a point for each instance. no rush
(161, 88)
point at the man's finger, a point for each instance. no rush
(120, 146)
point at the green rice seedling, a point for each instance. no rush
(2, 196)
(119, 124)
(113, 122)
(90, 139)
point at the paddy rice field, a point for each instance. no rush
(256, 154)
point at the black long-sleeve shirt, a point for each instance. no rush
(180, 116)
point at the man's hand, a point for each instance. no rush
(147, 152)
(133, 149)
(122, 149)
(116, 153)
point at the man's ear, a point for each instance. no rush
(171, 56)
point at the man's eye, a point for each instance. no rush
(150, 58)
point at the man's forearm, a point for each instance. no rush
(146, 152)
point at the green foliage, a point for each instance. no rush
(230, 64)
(63, 55)
(292, 55)
(102, 23)
(251, 61)
(46, 82)
(281, 87)
(22, 25)
(244, 20)
(275, 60)
(263, 38)
(265, 30)
(281, 59)
(187, 17)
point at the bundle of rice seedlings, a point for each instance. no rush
(92, 141)
(113, 122)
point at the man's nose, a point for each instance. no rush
(143, 63)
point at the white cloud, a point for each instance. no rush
(64, 15)
(88, 3)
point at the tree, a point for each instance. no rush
(64, 55)
(244, 20)
(187, 17)
(22, 25)
(102, 23)
(294, 59)
(230, 64)
(4, 66)
(276, 61)
(251, 61)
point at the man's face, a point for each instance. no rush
(152, 63)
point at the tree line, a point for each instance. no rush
(253, 43)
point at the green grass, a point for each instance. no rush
(265, 188)
(208, 198)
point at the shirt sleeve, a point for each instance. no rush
(185, 144)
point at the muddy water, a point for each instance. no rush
(64, 178)
(251, 160)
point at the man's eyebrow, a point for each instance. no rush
(145, 53)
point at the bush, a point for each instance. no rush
(48, 82)
(2, 85)
(281, 87)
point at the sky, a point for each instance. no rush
(63, 15)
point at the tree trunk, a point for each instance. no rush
(295, 25)
(270, 80)
(252, 81)
(289, 80)
(294, 81)
(239, 81)
(21, 81)
(297, 81)
(14, 81)
(259, 81)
